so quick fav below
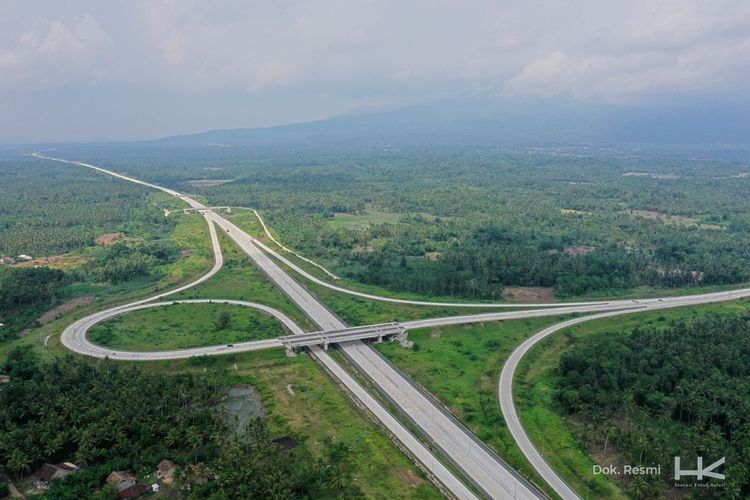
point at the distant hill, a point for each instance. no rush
(501, 122)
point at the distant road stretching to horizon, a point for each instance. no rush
(478, 463)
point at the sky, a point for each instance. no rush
(92, 70)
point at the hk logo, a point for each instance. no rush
(699, 471)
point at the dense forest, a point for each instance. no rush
(48, 208)
(104, 418)
(656, 393)
(26, 291)
(121, 262)
(444, 221)
(470, 224)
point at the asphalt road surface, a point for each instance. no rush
(505, 387)
(478, 463)
(318, 313)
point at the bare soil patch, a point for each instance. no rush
(652, 175)
(433, 256)
(577, 250)
(208, 182)
(64, 308)
(671, 219)
(409, 477)
(567, 211)
(108, 238)
(67, 261)
(529, 294)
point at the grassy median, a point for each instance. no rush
(182, 326)
(301, 400)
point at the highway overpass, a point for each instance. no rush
(326, 337)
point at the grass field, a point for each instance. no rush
(190, 235)
(182, 326)
(301, 400)
(299, 397)
(239, 279)
(363, 221)
(460, 365)
(537, 378)
(358, 311)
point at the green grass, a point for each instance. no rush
(460, 365)
(182, 326)
(365, 220)
(247, 283)
(358, 311)
(300, 399)
(654, 292)
(239, 279)
(190, 235)
(537, 379)
(247, 221)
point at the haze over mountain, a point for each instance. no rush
(636, 70)
(506, 122)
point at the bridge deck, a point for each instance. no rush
(325, 338)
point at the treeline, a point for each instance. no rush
(495, 219)
(494, 216)
(474, 270)
(25, 292)
(656, 393)
(121, 262)
(104, 417)
(485, 260)
(49, 208)
(28, 286)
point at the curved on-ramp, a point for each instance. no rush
(612, 308)
(507, 375)
(75, 337)
(416, 448)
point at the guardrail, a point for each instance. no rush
(325, 338)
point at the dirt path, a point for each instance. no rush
(60, 310)
(64, 308)
(14, 493)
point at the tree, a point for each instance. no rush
(22, 362)
(223, 320)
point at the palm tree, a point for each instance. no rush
(18, 461)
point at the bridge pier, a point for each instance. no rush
(403, 339)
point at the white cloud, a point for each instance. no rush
(53, 52)
(669, 46)
(315, 58)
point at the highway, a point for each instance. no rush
(505, 386)
(328, 337)
(74, 337)
(267, 231)
(478, 463)
(325, 319)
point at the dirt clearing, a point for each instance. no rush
(529, 294)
